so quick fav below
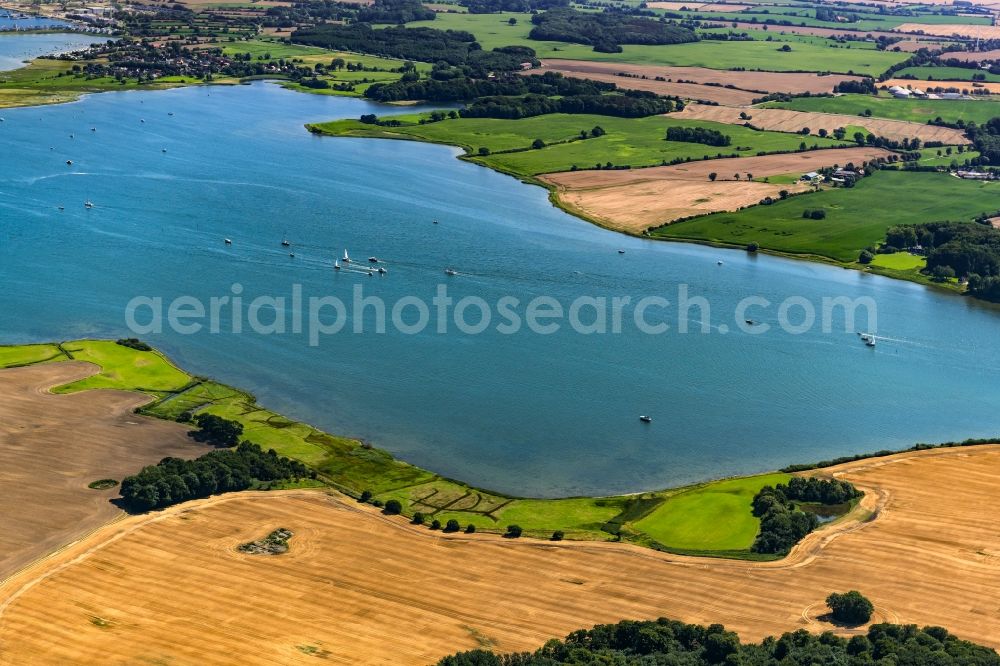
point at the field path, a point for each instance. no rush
(360, 587)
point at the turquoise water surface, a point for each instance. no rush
(15, 49)
(524, 413)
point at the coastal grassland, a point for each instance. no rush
(492, 30)
(708, 518)
(124, 368)
(901, 265)
(19, 355)
(352, 466)
(933, 73)
(883, 106)
(628, 141)
(856, 217)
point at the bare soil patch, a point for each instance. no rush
(53, 446)
(753, 81)
(975, 56)
(362, 588)
(636, 199)
(949, 29)
(783, 120)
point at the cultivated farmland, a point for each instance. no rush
(107, 599)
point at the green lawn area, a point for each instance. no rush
(632, 141)
(946, 73)
(492, 30)
(884, 106)
(124, 368)
(46, 82)
(713, 517)
(855, 217)
(18, 355)
(900, 261)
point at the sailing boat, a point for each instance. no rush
(336, 265)
(347, 259)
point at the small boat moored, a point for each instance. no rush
(228, 241)
(88, 204)
(646, 419)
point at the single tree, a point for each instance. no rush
(393, 507)
(513, 531)
(850, 608)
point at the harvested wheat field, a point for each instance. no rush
(783, 120)
(718, 94)
(357, 587)
(636, 199)
(950, 29)
(926, 85)
(698, 6)
(52, 446)
(817, 31)
(975, 56)
(753, 81)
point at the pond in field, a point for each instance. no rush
(172, 174)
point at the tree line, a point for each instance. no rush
(954, 249)
(782, 523)
(665, 641)
(606, 31)
(493, 6)
(426, 44)
(627, 105)
(703, 135)
(175, 480)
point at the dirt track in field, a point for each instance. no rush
(52, 446)
(784, 120)
(361, 588)
(753, 81)
(636, 199)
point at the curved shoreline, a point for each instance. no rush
(618, 521)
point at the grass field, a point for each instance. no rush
(712, 517)
(124, 368)
(18, 355)
(883, 106)
(492, 30)
(900, 261)
(634, 142)
(855, 218)
(946, 73)
(47, 82)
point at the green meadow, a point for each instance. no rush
(709, 517)
(635, 142)
(946, 73)
(712, 518)
(885, 106)
(493, 30)
(856, 217)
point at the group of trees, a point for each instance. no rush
(174, 480)
(630, 104)
(394, 11)
(216, 430)
(782, 523)
(703, 135)
(666, 641)
(493, 6)
(426, 44)
(954, 249)
(850, 608)
(865, 86)
(606, 31)
(986, 139)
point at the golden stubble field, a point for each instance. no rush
(52, 446)
(635, 199)
(361, 588)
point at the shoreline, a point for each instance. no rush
(554, 199)
(346, 464)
